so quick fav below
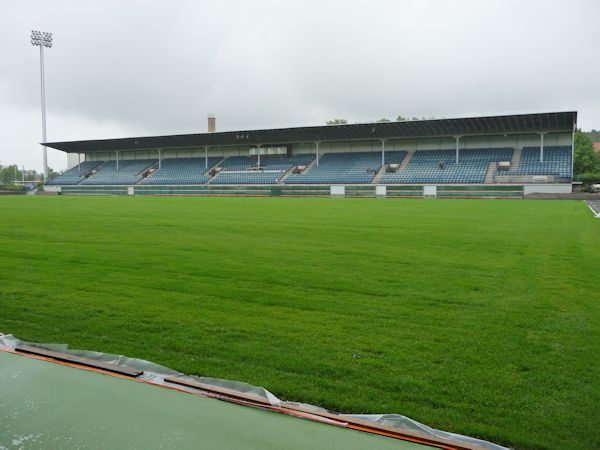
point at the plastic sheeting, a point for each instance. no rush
(399, 422)
(155, 373)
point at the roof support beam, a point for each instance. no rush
(542, 147)
(317, 146)
(117, 152)
(457, 150)
(573, 148)
(258, 151)
(383, 152)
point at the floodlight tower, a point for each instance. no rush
(42, 39)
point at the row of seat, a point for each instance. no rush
(440, 166)
(182, 171)
(130, 172)
(425, 166)
(75, 175)
(246, 169)
(556, 161)
(342, 168)
(248, 177)
(267, 162)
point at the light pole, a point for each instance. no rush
(42, 39)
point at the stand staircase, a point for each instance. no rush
(516, 159)
(383, 168)
(491, 170)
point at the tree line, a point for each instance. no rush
(12, 173)
(398, 119)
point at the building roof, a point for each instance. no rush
(469, 126)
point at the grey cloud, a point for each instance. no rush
(141, 67)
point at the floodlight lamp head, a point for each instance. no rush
(40, 38)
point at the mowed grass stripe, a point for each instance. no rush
(480, 317)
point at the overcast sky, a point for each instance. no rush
(131, 68)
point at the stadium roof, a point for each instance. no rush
(470, 126)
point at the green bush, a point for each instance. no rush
(589, 179)
(12, 187)
(585, 160)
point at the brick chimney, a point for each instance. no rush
(212, 123)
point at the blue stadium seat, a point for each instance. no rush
(242, 169)
(75, 174)
(439, 166)
(130, 172)
(557, 161)
(248, 177)
(182, 171)
(346, 168)
(268, 162)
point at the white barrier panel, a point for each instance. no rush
(563, 188)
(380, 191)
(429, 191)
(51, 188)
(130, 190)
(338, 191)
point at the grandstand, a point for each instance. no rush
(521, 153)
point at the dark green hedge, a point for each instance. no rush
(588, 178)
(12, 187)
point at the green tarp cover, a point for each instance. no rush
(45, 405)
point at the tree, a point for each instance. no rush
(593, 134)
(384, 120)
(31, 175)
(51, 174)
(402, 118)
(8, 174)
(337, 122)
(585, 159)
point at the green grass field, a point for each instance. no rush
(478, 317)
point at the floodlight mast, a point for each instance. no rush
(41, 40)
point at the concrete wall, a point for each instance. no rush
(51, 188)
(350, 191)
(563, 188)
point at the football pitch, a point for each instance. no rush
(479, 317)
